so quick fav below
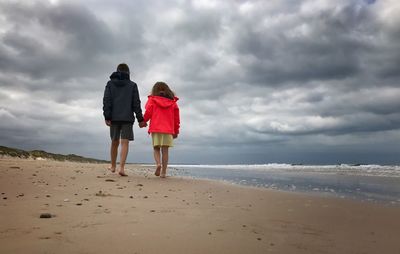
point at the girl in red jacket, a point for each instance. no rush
(163, 113)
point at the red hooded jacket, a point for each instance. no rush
(163, 114)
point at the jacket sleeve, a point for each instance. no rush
(136, 104)
(177, 120)
(107, 103)
(149, 111)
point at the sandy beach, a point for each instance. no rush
(95, 211)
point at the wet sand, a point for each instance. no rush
(95, 211)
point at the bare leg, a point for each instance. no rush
(114, 153)
(157, 159)
(124, 154)
(164, 150)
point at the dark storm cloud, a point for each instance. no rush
(306, 46)
(52, 41)
(254, 77)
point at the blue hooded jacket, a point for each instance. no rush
(121, 101)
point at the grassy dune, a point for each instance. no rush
(35, 154)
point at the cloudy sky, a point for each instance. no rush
(313, 81)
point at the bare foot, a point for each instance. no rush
(122, 173)
(163, 174)
(112, 169)
(158, 169)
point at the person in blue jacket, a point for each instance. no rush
(121, 103)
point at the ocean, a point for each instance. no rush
(373, 183)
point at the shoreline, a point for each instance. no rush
(316, 194)
(366, 188)
(99, 212)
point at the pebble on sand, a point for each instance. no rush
(110, 180)
(45, 216)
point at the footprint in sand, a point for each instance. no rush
(102, 194)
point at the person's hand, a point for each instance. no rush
(108, 122)
(142, 124)
(175, 136)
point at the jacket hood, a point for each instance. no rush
(162, 101)
(120, 76)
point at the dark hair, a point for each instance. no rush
(162, 89)
(123, 67)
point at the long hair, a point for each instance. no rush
(162, 89)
